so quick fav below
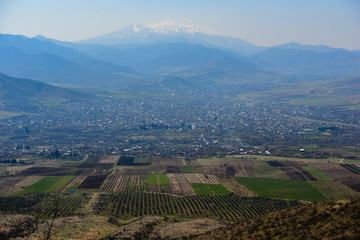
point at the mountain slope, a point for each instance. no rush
(30, 91)
(35, 56)
(170, 31)
(336, 62)
(324, 220)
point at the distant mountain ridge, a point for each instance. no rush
(139, 56)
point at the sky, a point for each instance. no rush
(335, 23)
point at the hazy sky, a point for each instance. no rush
(262, 22)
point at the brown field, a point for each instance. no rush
(110, 159)
(201, 178)
(306, 174)
(173, 169)
(12, 170)
(245, 171)
(47, 171)
(186, 189)
(93, 182)
(93, 171)
(340, 174)
(133, 170)
(294, 174)
(8, 182)
(276, 163)
(122, 183)
(163, 162)
(175, 187)
(24, 183)
(74, 183)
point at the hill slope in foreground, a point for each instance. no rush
(323, 220)
(338, 219)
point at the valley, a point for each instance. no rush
(169, 131)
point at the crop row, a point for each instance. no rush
(228, 207)
(201, 178)
(120, 183)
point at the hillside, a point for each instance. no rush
(323, 220)
(30, 91)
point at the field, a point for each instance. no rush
(47, 185)
(226, 189)
(279, 188)
(334, 190)
(317, 173)
(210, 189)
(226, 207)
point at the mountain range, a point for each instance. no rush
(139, 56)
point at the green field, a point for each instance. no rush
(47, 185)
(319, 175)
(188, 169)
(210, 189)
(163, 179)
(152, 179)
(282, 188)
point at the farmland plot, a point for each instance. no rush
(158, 183)
(47, 171)
(110, 159)
(236, 187)
(93, 171)
(225, 207)
(93, 181)
(275, 163)
(340, 174)
(26, 182)
(294, 174)
(123, 183)
(8, 182)
(47, 185)
(334, 190)
(281, 188)
(201, 178)
(186, 189)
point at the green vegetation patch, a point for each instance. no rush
(163, 179)
(47, 185)
(152, 179)
(282, 188)
(188, 169)
(319, 175)
(209, 189)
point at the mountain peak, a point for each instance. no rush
(167, 27)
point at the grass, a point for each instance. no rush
(152, 179)
(263, 170)
(47, 184)
(163, 180)
(282, 188)
(319, 175)
(188, 169)
(209, 189)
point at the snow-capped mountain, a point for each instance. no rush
(170, 31)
